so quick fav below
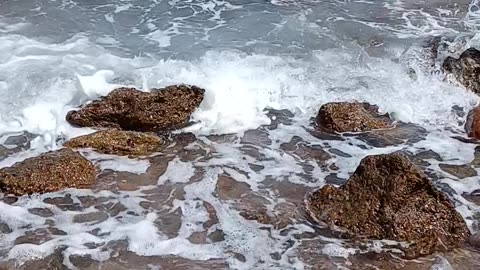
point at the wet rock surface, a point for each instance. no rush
(387, 197)
(459, 171)
(402, 133)
(118, 142)
(131, 109)
(472, 125)
(15, 143)
(48, 172)
(350, 117)
(465, 69)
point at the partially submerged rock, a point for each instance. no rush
(49, 172)
(387, 197)
(460, 171)
(118, 142)
(351, 117)
(465, 69)
(131, 109)
(472, 125)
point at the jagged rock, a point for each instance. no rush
(472, 125)
(49, 172)
(350, 117)
(387, 197)
(118, 142)
(465, 69)
(131, 109)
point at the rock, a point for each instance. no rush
(460, 171)
(131, 109)
(472, 125)
(402, 133)
(305, 150)
(465, 69)
(350, 117)
(49, 172)
(387, 197)
(118, 142)
(92, 217)
(474, 240)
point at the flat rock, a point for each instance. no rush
(465, 69)
(305, 150)
(387, 197)
(131, 109)
(350, 117)
(118, 142)
(48, 172)
(460, 171)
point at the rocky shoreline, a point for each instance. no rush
(388, 197)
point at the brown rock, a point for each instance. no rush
(472, 125)
(49, 172)
(387, 197)
(131, 109)
(118, 142)
(465, 69)
(350, 117)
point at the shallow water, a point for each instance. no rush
(233, 198)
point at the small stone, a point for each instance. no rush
(216, 236)
(49, 172)
(198, 238)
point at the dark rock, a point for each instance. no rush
(460, 171)
(81, 261)
(43, 212)
(465, 69)
(15, 143)
(36, 237)
(95, 217)
(118, 142)
(131, 109)
(4, 228)
(334, 179)
(402, 133)
(387, 197)
(472, 125)
(49, 172)
(339, 153)
(476, 159)
(474, 240)
(304, 150)
(64, 203)
(350, 117)
(216, 236)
